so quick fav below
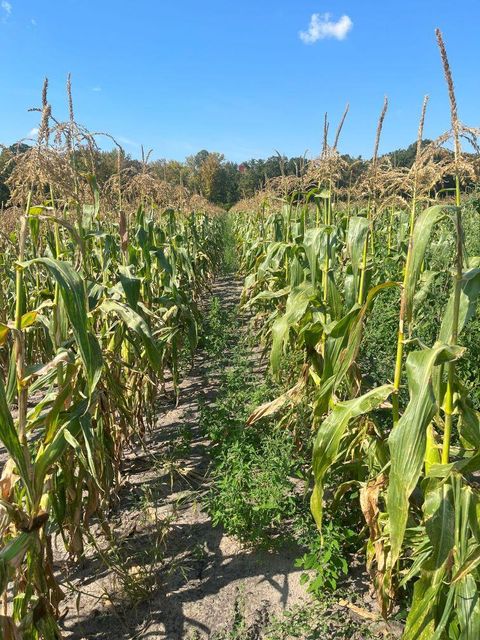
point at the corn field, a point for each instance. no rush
(99, 307)
(317, 254)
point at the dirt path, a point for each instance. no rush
(188, 578)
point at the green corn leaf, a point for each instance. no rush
(48, 454)
(420, 624)
(315, 243)
(420, 241)
(469, 565)
(469, 293)
(330, 434)
(11, 385)
(297, 274)
(72, 289)
(87, 460)
(51, 419)
(467, 605)
(440, 524)
(10, 440)
(297, 304)
(407, 440)
(355, 331)
(137, 324)
(131, 285)
(159, 254)
(358, 228)
(67, 225)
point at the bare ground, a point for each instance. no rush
(186, 577)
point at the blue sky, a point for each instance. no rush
(237, 77)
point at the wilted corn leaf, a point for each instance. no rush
(12, 554)
(293, 396)
(49, 453)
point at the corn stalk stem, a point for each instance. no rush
(449, 394)
(56, 297)
(22, 388)
(401, 321)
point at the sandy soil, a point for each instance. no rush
(187, 577)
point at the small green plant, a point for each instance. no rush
(254, 466)
(326, 560)
(252, 493)
(217, 329)
(321, 621)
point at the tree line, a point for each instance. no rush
(207, 173)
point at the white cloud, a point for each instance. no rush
(321, 26)
(127, 141)
(97, 89)
(33, 22)
(33, 132)
(7, 9)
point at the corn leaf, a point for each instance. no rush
(131, 285)
(10, 440)
(469, 293)
(358, 228)
(12, 554)
(330, 434)
(420, 241)
(297, 304)
(137, 324)
(72, 289)
(315, 243)
(407, 441)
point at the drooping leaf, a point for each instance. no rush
(297, 303)
(131, 286)
(469, 293)
(330, 434)
(48, 454)
(407, 440)
(420, 241)
(12, 554)
(10, 440)
(72, 289)
(315, 243)
(358, 229)
(137, 324)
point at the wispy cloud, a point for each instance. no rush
(6, 8)
(33, 22)
(97, 89)
(33, 133)
(127, 141)
(321, 26)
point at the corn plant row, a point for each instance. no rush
(98, 309)
(316, 259)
